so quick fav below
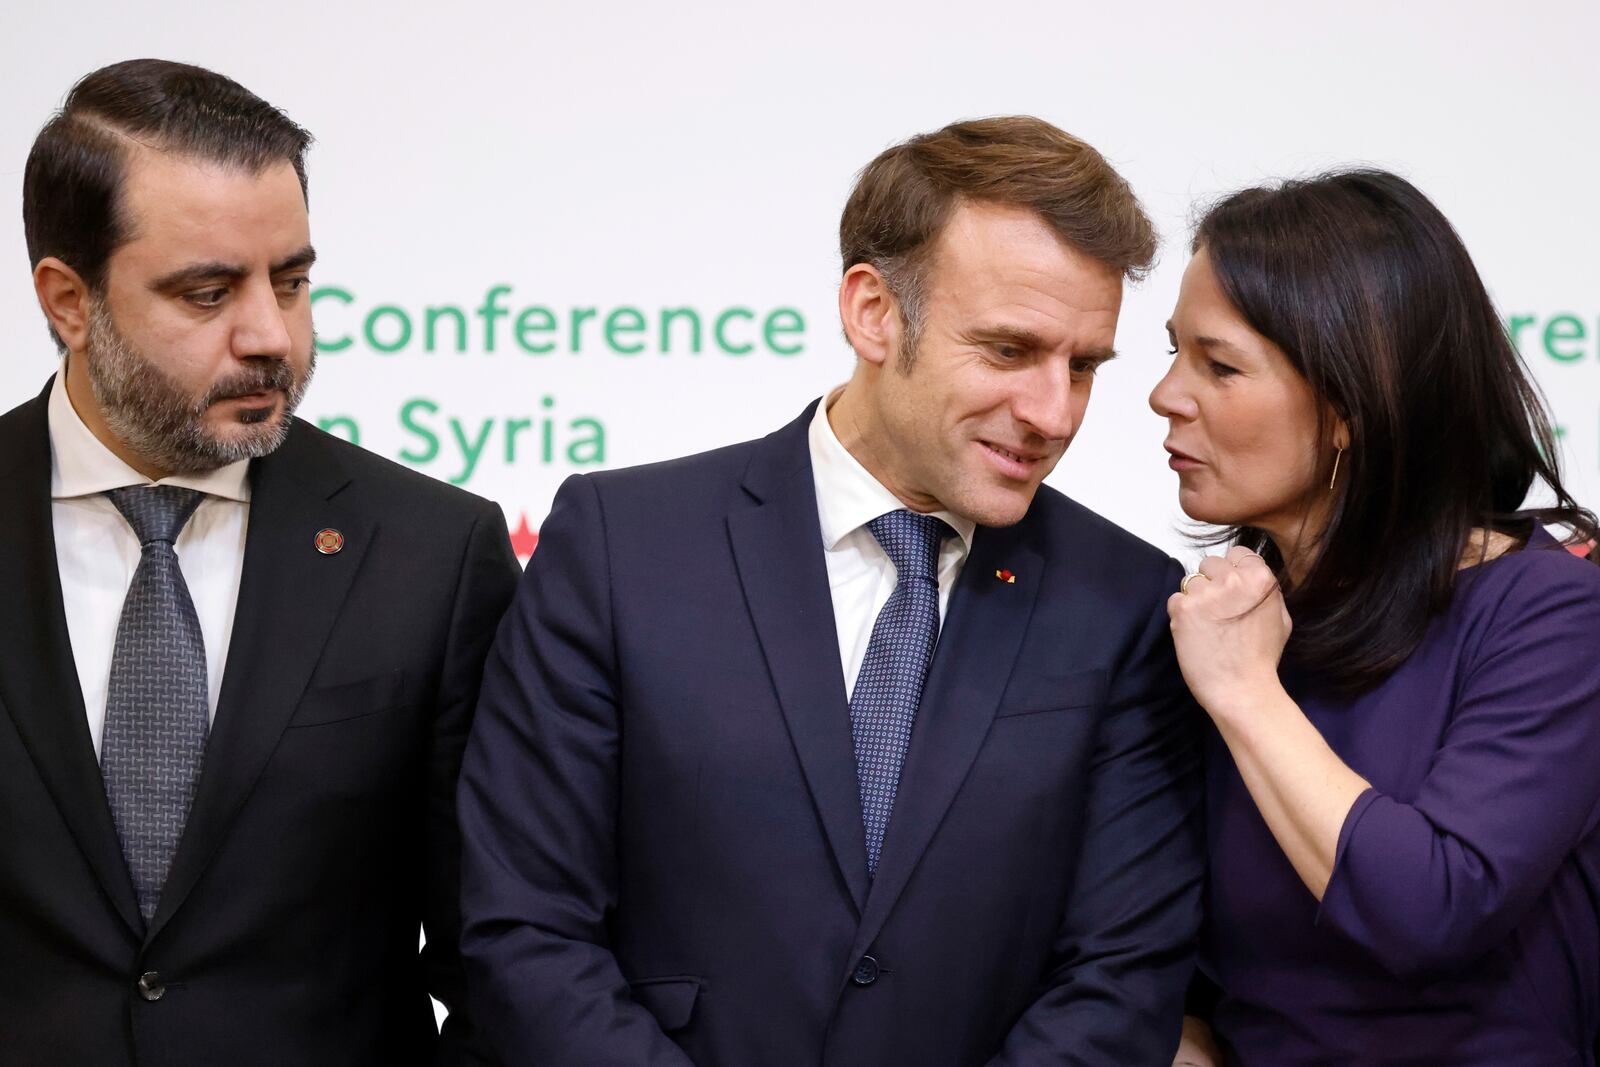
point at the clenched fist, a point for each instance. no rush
(1230, 626)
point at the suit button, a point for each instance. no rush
(150, 987)
(866, 972)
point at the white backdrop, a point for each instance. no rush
(644, 157)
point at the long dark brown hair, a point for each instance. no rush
(1369, 291)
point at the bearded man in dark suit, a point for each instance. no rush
(242, 655)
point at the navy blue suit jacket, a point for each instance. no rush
(664, 860)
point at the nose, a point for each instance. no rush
(1045, 401)
(1169, 399)
(261, 326)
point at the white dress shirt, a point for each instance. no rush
(97, 552)
(860, 574)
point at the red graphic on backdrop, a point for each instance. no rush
(524, 539)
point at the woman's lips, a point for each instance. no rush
(1181, 461)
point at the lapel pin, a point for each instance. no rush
(1006, 576)
(329, 541)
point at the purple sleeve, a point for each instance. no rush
(1428, 886)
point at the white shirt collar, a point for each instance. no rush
(81, 465)
(848, 497)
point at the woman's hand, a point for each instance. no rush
(1197, 1048)
(1230, 625)
(1230, 628)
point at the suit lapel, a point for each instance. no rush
(972, 664)
(777, 547)
(38, 679)
(289, 597)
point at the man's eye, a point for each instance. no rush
(206, 298)
(1007, 352)
(1085, 366)
(290, 286)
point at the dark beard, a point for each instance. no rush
(164, 425)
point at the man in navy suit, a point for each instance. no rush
(855, 745)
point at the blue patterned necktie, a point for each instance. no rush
(156, 705)
(883, 705)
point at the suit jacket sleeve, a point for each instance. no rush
(538, 807)
(1125, 948)
(487, 580)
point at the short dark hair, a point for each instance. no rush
(71, 186)
(1370, 293)
(903, 199)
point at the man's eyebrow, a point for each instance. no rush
(1023, 337)
(185, 277)
(1011, 335)
(297, 261)
(218, 271)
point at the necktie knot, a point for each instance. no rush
(911, 541)
(156, 512)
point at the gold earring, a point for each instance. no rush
(1333, 480)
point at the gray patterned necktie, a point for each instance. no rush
(156, 705)
(883, 705)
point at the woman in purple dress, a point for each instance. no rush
(1405, 865)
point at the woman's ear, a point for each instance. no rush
(1341, 432)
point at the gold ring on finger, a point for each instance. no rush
(1183, 586)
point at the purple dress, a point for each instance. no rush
(1462, 922)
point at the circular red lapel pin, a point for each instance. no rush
(329, 541)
